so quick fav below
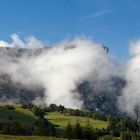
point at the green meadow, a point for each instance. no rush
(61, 120)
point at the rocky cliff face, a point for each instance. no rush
(15, 92)
(106, 100)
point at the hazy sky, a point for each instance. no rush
(113, 23)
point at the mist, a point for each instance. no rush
(60, 68)
(130, 98)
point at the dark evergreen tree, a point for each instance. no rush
(6, 128)
(125, 135)
(78, 130)
(69, 131)
(89, 132)
(53, 107)
(61, 108)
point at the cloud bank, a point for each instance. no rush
(130, 98)
(61, 68)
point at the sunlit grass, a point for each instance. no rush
(62, 120)
(24, 116)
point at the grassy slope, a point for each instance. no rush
(109, 138)
(62, 120)
(6, 137)
(24, 116)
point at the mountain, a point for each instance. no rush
(15, 92)
(105, 101)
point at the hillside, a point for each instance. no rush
(26, 117)
(29, 122)
(61, 120)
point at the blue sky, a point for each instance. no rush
(113, 23)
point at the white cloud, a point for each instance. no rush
(30, 42)
(130, 98)
(98, 14)
(4, 44)
(61, 68)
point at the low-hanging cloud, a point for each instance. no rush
(61, 68)
(130, 98)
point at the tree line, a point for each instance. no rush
(118, 126)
